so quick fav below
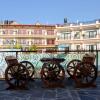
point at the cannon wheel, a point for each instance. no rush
(16, 75)
(87, 74)
(52, 72)
(71, 66)
(29, 67)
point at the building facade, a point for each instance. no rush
(71, 36)
(43, 36)
(79, 36)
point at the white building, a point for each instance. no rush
(79, 36)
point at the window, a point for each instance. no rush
(77, 35)
(9, 41)
(6, 41)
(15, 32)
(50, 32)
(90, 34)
(37, 31)
(29, 32)
(38, 41)
(50, 41)
(2, 32)
(91, 47)
(65, 36)
(78, 47)
(32, 31)
(62, 36)
(22, 41)
(22, 31)
(67, 48)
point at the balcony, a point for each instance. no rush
(78, 41)
(27, 36)
(24, 45)
(79, 26)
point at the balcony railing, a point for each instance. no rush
(27, 36)
(89, 40)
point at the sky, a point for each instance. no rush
(49, 11)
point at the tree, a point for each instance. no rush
(33, 48)
(18, 46)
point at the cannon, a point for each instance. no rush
(52, 73)
(84, 72)
(17, 73)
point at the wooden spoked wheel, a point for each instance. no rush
(71, 66)
(29, 66)
(52, 72)
(16, 75)
(87, 74)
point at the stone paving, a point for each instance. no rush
(37, 92)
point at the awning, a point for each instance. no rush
(63, 45)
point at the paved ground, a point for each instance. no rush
(36, 92)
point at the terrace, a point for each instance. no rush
(36, 90)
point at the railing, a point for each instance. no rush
(78, 23)
(87, 22)
(34, 58)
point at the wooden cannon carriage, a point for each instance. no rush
(52, 73)
(84, 72)
(17, 73)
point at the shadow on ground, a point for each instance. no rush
(37, 92)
